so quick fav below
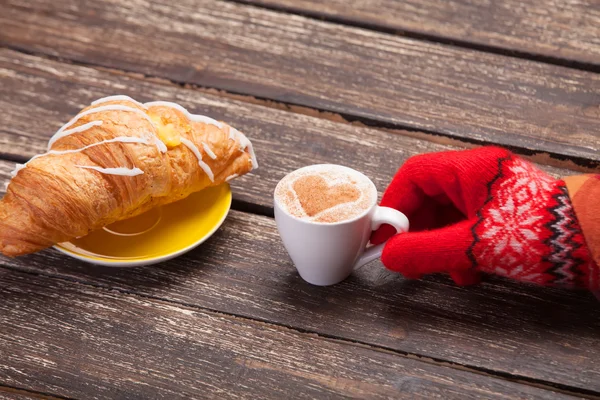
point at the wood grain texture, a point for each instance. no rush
(90, 343)
(19, 395)
(8, 393)
(550, 28)
(37, 96)
(545, 335)
(373, 76)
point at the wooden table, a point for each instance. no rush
(365, 85)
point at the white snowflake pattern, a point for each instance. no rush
(512, 227)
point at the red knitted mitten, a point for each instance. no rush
(485, 210)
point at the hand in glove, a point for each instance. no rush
(487, 210)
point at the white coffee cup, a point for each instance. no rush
(326, 253)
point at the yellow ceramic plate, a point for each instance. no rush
(158, 235)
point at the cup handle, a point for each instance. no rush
(383, 215)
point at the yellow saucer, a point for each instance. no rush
(158, 235)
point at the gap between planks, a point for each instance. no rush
(424, 37)
(538, 383)
(580, 164)
(20, 392)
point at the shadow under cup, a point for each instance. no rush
(326, 253)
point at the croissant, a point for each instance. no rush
(116, 159)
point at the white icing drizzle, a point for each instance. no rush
(208, 151)
(121, 139)
(84, 127)
(245, 143)
(192, 117)
(111, 107)
(63, 132)
(119, 97)
(18, 167)
(114, 171)
(190, 145)
(233, 133)
(159, 143)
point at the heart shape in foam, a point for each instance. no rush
(316, 195)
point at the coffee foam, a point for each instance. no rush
(308, 192)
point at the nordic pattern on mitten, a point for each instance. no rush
(527, 230)
(486, 210)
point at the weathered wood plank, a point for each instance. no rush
(37, 96)
(374, 76)
(530, 333)
(18, 395)
(85, 343)
(551, 28)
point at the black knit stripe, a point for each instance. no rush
(489, 198)
(564, 266)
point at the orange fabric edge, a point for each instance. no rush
(584, 191)
(575, 182)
